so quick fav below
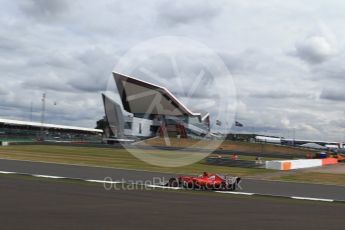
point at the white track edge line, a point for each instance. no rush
(237, 193)
(47, 176)
(311, 198)
(103, 181)
(5, 172)
(165, 187)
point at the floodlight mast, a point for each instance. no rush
(31, 111)
(43, 114)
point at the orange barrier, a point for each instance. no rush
(286, 165)
(329, 161)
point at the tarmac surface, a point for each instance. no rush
(97, 173)
(34, 204)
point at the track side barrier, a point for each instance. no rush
(329, 161)
(299, 164)
(4, 143)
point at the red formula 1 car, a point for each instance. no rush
(206, 181)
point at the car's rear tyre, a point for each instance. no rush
(173, 182)
(185, 184)
(188, 185)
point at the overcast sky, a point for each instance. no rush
(286, 57)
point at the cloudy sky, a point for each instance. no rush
(286, 58)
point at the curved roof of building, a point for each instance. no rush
(141, 97)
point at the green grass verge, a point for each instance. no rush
(114, 158)
(229, 145)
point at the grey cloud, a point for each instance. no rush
(338, 123)
(87, 70)
(333, 95)
(53, 59)
(90, 84)
(279, 95)
(189, 76)
(18, 103)
(3, 91)
(243, 62)
(281, 121)
(42, 9)
(184, 12)
(332, 72)
(315, 49)
(8, 44)
(95, 70)
(47, 81)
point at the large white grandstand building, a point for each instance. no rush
(153, 111)
(15, 130)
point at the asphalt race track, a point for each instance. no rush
(96, 173)
(34, 204)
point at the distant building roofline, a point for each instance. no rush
(45, 125)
